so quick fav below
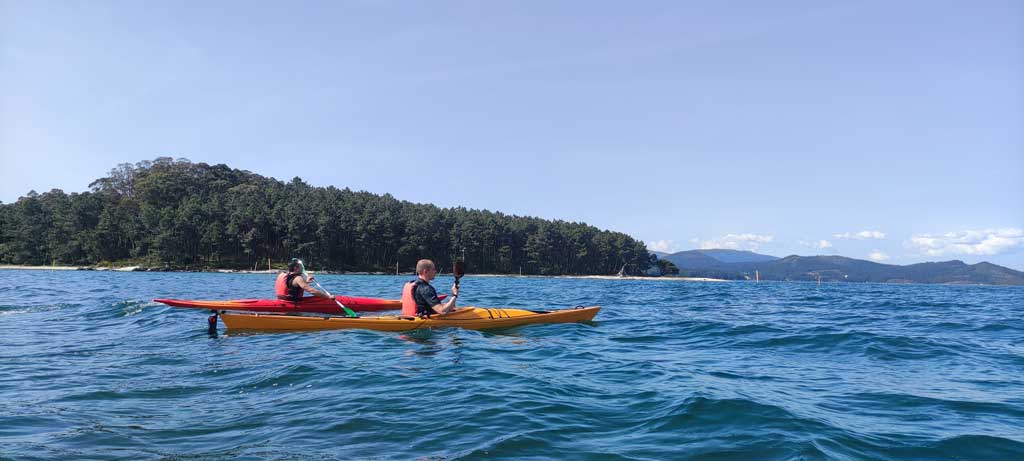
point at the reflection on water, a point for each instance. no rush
(427, 343)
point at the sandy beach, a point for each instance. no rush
(43, 268)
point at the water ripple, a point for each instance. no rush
(701, 371)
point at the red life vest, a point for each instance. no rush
(408, 299)
(283, 287)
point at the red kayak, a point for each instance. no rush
(309, 304)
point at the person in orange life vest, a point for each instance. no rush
(290, 285)
(419, 299)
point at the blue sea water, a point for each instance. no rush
(90, 368)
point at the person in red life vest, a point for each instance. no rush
(419, 299)
(291, 284)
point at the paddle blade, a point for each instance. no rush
(459, 269)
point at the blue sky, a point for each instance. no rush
(870, 129)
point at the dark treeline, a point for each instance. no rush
(175, 214)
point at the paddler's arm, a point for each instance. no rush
(450, 305)
(299, 281)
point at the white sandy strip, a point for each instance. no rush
(43, 268)
(605, 277)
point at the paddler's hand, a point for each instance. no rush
(455, 290)
(309, 278)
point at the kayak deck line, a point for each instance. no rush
(471, 318)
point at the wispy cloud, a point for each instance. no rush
(862, 235)
(664, 246)
(969, 242)
(735, 242)
(878, 256)
(820, 244)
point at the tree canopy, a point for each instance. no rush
(174, 213)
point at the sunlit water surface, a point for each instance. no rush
(90, 368)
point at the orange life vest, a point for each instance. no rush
(283, 287)
(409, 299)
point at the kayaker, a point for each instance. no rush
(419, 298)
(291, 284)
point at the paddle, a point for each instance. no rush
(458, 270)
(348, 312)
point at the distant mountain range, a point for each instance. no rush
(740, 265)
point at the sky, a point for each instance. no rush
(879, 130)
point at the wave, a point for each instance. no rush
(876, 345)
(895, 402)
(13, 309)
(774, 371)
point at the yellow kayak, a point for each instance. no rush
(471, 318)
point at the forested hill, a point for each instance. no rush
(174, 213)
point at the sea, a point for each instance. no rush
(92, 368)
